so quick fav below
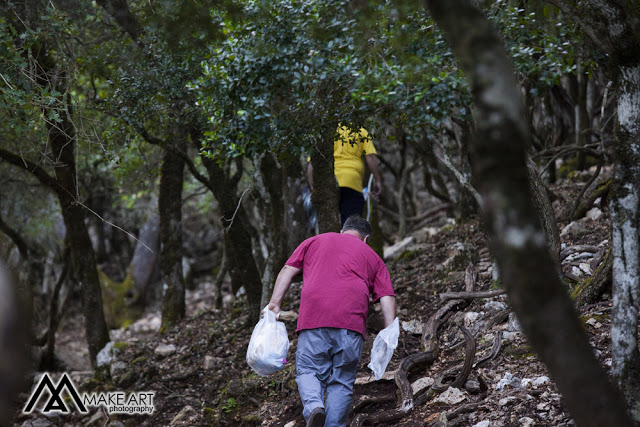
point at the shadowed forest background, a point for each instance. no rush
(152, 164)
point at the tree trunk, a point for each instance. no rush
(273, 175)
(237, 237)
(145, 256)
(14, 330)
(170, 209)
(325, 194)
(405, 167)
(625, 216)
(295, 217)
(62, 142)
(516, 236)
(547, 217)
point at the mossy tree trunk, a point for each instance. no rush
(625, 225)
(467, 205)
(326, 193)
(614, 27)
(516, 236)
(170, 209)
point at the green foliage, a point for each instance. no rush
(542, 46)
(281, 78)
(411, 79)
(229, 405)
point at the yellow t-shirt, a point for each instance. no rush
(349, 150)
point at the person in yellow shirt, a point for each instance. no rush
(350, 150)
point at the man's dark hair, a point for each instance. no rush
(361, 225)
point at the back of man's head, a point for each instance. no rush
(359, 224)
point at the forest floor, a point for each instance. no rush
(199, 374)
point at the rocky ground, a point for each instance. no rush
(199, 374)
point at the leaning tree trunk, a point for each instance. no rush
(325, 187)
(547, 217)
(170, 208)
(242, 266)
(625, 222)
(516, 236)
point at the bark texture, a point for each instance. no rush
(170, 208)
(325, 194)
(547, 218)
(242, 266)
(614, 26)
(145, 256)
(625, 220)
(516, 236)
(61, 137)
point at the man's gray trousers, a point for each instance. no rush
(326, 362)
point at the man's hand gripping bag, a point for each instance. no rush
(383, 347)
(267, 352)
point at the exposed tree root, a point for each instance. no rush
(495, 350)
(578, 248)
(453, 414)
(590, 289)
(472, 295)
(460, 374)
(406, 400)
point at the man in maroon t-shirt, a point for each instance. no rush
(339, 273)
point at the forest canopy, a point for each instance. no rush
(149, 144)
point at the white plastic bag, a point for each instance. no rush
(383, 347)
(267, 352)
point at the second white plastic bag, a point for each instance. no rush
(269, 344)
(383, 347)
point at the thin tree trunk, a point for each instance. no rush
(272, 176)
(325, 194)
(405, 166)
(517, 239)
(547, 217)
(170, 209)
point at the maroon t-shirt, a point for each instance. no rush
(339, 272)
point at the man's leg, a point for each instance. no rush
(313, 366)
(340, 386)
(351, 203)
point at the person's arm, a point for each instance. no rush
(310, 175)
(373, 163)
(388, 306)
(282, 286)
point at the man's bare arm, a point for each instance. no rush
(373, 163)
(388, 306)
(310, 175)
(282, 286)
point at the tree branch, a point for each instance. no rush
(36, 170)
(589, 30)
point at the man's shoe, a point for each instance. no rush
(317, 417)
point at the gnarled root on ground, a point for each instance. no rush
(406, 399)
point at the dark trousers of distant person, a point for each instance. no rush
(351, 203)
